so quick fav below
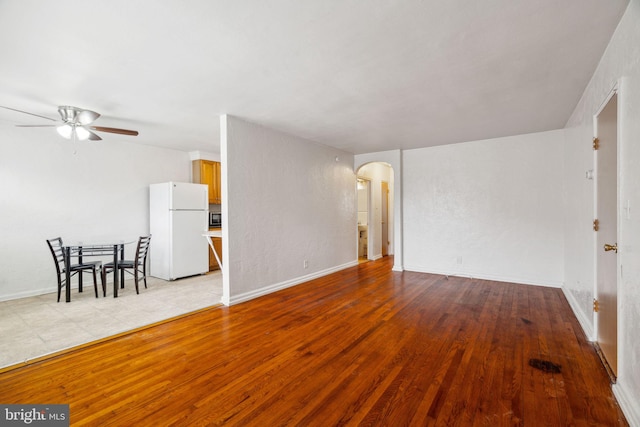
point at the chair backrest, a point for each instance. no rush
(142, 249)
(55, 245)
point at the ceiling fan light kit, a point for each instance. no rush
(82, 133)
(74, 120)
(67, 131)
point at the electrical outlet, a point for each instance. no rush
(459, 260)
(306, 264)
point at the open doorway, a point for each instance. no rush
(375, 191)
(363, 188)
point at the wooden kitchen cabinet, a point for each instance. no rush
(213, 264)
(208, 172)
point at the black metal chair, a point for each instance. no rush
(136, 267)
(55, 245)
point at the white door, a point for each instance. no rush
(189, 249)
(607, 234)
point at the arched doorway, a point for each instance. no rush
(393, 158)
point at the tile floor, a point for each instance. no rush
(37, 326)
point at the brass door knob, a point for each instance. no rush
(608, 247)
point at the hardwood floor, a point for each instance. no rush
(364, 346)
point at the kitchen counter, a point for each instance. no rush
(215, 233)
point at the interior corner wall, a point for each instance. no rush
(487, 209)
(620, 64)
(82, 191)
(290, 201)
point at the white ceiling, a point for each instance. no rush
(360, 75)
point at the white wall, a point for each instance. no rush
(376, 173)
(100, 191)
(620, 63)
(487, 209)
(204, 155)
(285, 200)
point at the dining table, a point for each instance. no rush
(90, 249)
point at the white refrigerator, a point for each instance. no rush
(178, 216)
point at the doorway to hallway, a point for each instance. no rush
(363, 188)
(375, 215)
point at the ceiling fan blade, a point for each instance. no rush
(93, 136)
(31, 114)
(36, 126)
(115, 130)
(87, 116)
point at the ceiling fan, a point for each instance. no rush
(75, 124)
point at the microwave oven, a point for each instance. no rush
(215, 219)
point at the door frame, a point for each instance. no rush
(615, 91)
(384, 217)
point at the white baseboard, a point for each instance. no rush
(31, 293)
(484, 276)
(629, 405)
(236, 299)
(583, 319)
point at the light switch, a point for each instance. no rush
(627, 209)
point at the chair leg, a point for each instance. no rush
(103, 281)
(144, 275)
(135, 279)
(95, 281)
(59, 288)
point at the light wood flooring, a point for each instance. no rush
(364, 346)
